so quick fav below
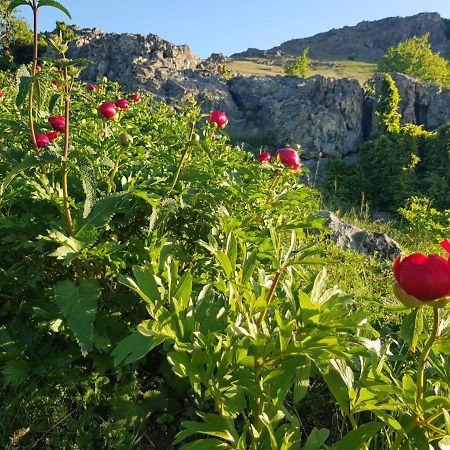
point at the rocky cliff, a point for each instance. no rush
(366, 41)
(326, 116)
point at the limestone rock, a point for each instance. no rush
(350, 237)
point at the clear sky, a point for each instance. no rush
(234, 25)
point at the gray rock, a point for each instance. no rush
(350, 237)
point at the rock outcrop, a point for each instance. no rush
(366, 41)
(328, 117)
(133, 60)
(351, 237)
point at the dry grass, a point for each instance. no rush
(334, 69)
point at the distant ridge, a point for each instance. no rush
(366, 41)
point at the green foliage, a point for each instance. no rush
(422, 218)
(388, 100)
(298, 67)
(415, 57)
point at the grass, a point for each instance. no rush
(334, 69)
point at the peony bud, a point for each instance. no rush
(122, 103)
(135, 97)
(58, 123)
(107, 110)
(42, 140)
(289, 157)
(52, 135)
(1, 93)
(219, 118)
(125, 139)
(56, 83)
(38, 68)
(264, 157)
(91, 87)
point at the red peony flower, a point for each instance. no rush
(135, 97)
(219, 118)
(289, 157)
(58, 123)
(42, 140)
(52, 135)
(422, 278)
(264, 157)
(122, 103)
(107, 110)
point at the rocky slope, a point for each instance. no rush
(366, 41)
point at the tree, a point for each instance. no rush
(415, 57)
(15, 35)
(387, 106)
(299, 67)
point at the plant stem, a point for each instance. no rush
(417, 419)
(114, 171)
(275, 283)
(180, 164)
(33, 73)
(423, 359)
(66, 154)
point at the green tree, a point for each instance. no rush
(15, 34)
(299, 67)
(415, 57)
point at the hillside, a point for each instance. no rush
(366, 41)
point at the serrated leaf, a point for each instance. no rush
(134, 347)
(27, 163)
(55, 4)
(24, 90)
(78, 305)
(102, 211)
(89, 184)
(16, 371)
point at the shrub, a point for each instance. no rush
(299, 67)
(415, 57)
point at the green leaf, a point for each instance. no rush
(412, 327)
(55, 4)
(357, 438)
(206, 444)
(27, 163)
(249, 266)
(89, 183)
(78, 305)
(16, 3)
(24, 89)
(134, 347)
(337, 387)
(213, 425)
(16, 371)
(184, 289)
(316, 439)
(102, 211)
(225, 263)
(53, 100)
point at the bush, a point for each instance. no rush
(415, 57)
(299, 67)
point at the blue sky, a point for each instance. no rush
(233, 25)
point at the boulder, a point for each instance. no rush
(350, 237)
